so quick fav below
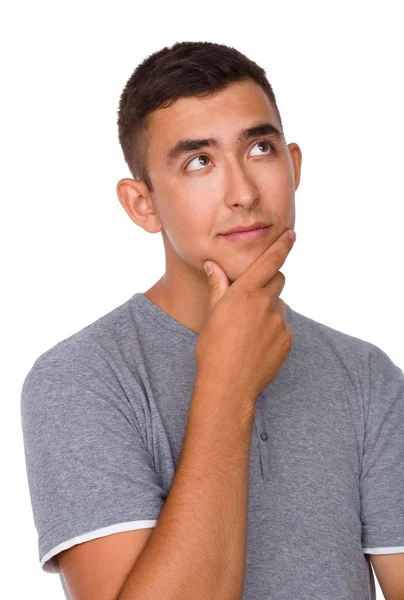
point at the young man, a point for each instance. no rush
(204, 440)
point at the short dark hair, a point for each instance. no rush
(184, 69)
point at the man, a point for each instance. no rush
(149, 474)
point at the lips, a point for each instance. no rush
(247, 236)
(251, 227)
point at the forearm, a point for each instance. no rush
(198, 548)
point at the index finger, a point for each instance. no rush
(261, 271)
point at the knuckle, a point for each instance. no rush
(247, 293)
(278, 320)
(277, 257)
(281, 276)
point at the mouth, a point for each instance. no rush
(247, 236)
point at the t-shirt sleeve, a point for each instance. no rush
(89, 470)
(382, 473)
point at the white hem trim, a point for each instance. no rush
(387, 550)
(50, 565)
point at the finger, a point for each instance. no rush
(263, 269)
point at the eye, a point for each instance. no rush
(266, 143)
(204, 156)
(193, 160)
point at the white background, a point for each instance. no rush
(69, 251)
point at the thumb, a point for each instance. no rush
(218, 282)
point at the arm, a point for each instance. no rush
(198, 547)
(389, 569)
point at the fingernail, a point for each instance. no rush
(208, 269)
(292, 234)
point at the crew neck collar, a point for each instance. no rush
(156, 313)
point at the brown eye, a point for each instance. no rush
(203, 156)
(266, 144)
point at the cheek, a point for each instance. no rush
(189, 226)
(193, 213)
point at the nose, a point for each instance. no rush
(240, 188)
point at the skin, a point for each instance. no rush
(242, 183)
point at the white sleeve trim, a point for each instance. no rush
(388, 550)
(50, 565)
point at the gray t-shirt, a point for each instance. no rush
(104, 414)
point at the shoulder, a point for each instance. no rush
(316, 339)
(90, 348)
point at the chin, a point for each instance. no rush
(233, 274)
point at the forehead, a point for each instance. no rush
(221, 115)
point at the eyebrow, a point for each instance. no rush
(188, 145)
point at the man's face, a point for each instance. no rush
(204, 192)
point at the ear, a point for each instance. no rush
(295, 154)
(135, 197)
